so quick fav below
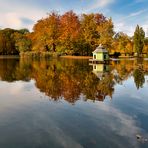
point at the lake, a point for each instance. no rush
(67, 103)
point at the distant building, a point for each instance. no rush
(100, 54)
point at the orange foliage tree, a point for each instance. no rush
(46, 33)
(70, 29)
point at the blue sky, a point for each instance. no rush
(126, 14)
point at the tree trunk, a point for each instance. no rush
(54, 47)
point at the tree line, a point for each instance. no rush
(12, 42)
(72, 34)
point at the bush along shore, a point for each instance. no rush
(38, 55)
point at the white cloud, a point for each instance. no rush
(137, 13)
(11, 20)
(114, 121)
(129, 28)
(14, 20)
(133, 14)
(145, 28)
(12, 12)
(123, 27)
(100, 4)
(103, 3)
(19, 87)
(128, 23)
(11, 15)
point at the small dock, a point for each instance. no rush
(96, 61)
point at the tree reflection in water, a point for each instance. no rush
(69, 79)
(138, 73)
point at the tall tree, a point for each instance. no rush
(105, 30)
(89, 33)
(46, 33)
(7, 42)
(53, 24)
(139, 36)
(38, 36)
(69, 27)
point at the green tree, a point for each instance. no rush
(139, 36)
(22, 41)
(139, 77)
(7, 42)
(23, 31)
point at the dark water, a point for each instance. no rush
(63, 103)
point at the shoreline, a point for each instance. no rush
(9, 56)
(76, 57)
(70, 57)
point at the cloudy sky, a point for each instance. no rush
(126, 14)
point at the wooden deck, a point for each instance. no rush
(95, 61)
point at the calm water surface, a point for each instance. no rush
(63, 103)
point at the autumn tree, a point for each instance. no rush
(46, 33)
(105, 30)
(139, 36)
(69, 28)
(2, 43)
(125, 44)
(146, 45)
(71, 34)
(38, 36)
(89, 33)
(53, 24)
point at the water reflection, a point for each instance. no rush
(69, 79)
(105, 87)
(138, 75)
(29, 119)
(15, 69)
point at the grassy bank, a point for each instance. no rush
(76, 57)
(9, 56)
(38, 55)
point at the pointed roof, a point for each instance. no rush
(98, 74)
(100, 48)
